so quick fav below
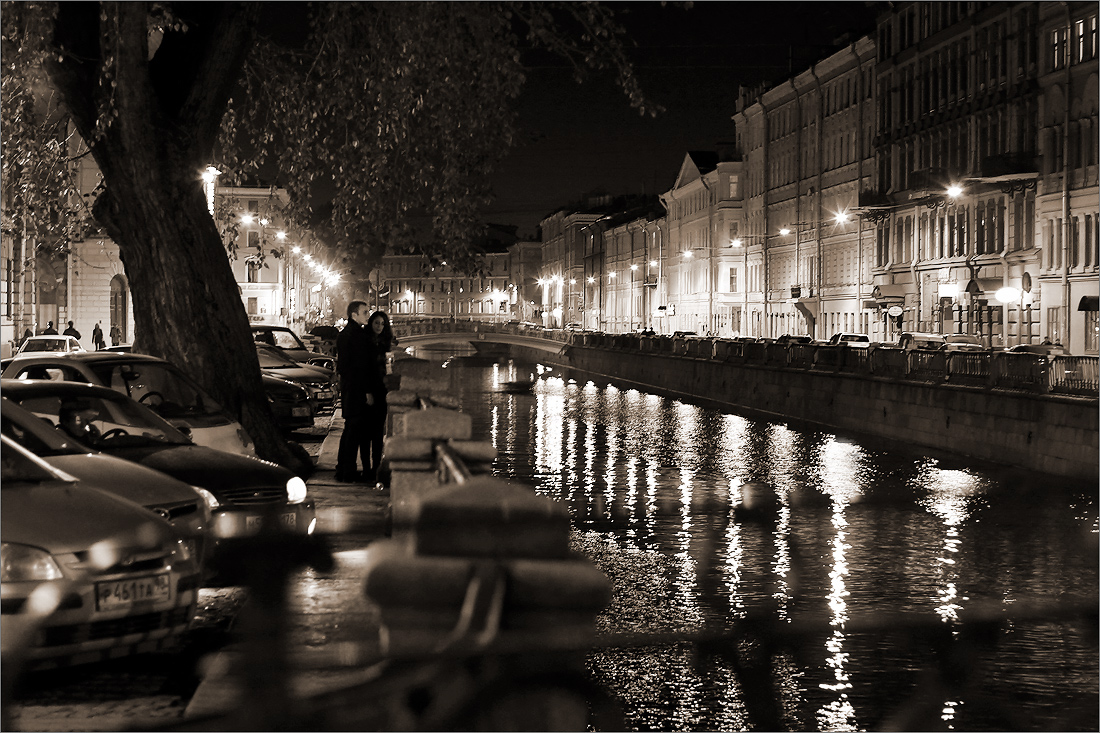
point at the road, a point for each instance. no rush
(155, 690)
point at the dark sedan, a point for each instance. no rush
(248, 491)
(290, 403)
(187, 508)
(320, 382)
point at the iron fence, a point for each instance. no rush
(1034, 373)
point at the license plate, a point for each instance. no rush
(300, 411)
(288, 520)
(125, 593)
(324, 394)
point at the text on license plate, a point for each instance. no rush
(300, 411)
(125, 593)
(290, 519)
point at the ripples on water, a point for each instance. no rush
(859, 531)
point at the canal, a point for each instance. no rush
(851, 533)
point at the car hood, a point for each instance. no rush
(214, 470)
(139, 484)
(300, 373)
(63, 517)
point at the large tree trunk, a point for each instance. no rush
(163, 119)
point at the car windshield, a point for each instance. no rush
(45, 345)
(103, 422)
(35, 434)
(160, 386)
(272, 359)
(278, 337)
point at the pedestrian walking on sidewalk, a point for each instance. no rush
(354, 364)
(71, 331)
(97, 337)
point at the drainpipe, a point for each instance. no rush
(798, 192)
(817, 204)
(766, 285)
(710, 257)
(861, 154)
(1063, 316)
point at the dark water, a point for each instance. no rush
(854, 534)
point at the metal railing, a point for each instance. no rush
(1034, 373)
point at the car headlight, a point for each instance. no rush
(23, 562)
(208, 499)
(295, 490)
(185, 548)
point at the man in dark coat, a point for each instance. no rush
(71, 331)
(354, 364)
(49, 330)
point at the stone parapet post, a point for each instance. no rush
(481, 566)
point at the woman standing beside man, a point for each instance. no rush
(361, 350)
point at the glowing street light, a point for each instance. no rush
(954, 190)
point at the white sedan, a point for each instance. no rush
(49, 345)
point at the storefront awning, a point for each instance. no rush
(978, 285)
(1089, 303)
(888, 293)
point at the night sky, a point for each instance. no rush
(580, 139)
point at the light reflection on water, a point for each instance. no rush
(652, 484)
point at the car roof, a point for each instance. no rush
(37, 387)
(95, 357)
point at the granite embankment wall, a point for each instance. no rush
(1046, 433)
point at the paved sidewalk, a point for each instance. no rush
(330, 619)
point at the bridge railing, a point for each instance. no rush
(1064, 375)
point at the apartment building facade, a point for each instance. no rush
(939, 175)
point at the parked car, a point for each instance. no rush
(915, 341)
(187, 508)
(291, 345)
(1047, 350)
(290, 403)
(321, 383)
(684, 334)
(154, 382)
(247, 490)
(49, 345)
(962, 342)
(855, 340)
(789, 338)
(326, 337)
(86, 575)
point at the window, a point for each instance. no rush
(254, 240)
(253, 271)
(1058, 42)
(252, 307)
(1092, 331)
(735, 187)
(733, 280)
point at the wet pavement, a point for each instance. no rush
(197, 677)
